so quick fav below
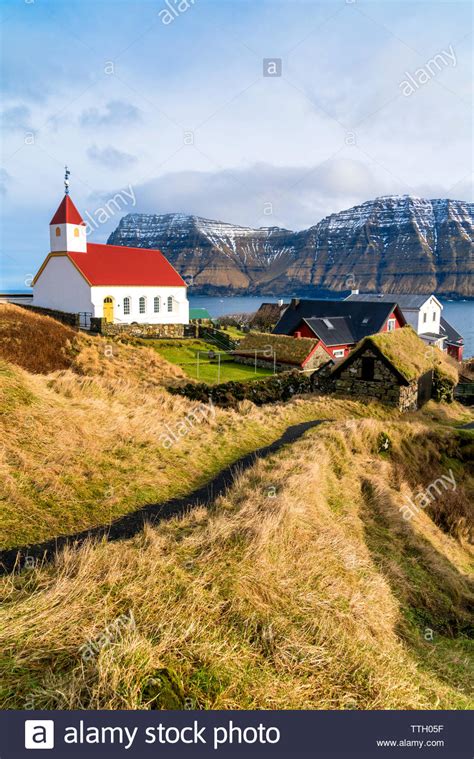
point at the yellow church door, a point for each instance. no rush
(108, 309)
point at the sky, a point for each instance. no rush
(255, 113)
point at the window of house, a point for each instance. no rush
(142, 305)
(126, 305)
(170, 303)
(58, 232)
(156, 305)
(391, 325)
(434, 316)
(339, 353)
(424, 318)
(76, 232)
(368, 368)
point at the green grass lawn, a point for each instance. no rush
(233, 332)
(184, 353)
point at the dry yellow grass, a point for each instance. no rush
(37, 343)
(83, 446)
(302, 588)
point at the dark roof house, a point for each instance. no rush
(337, 322)
(336, 330)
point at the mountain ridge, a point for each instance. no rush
(389, 244)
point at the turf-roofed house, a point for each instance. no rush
(396, 368)
(281, 352)
(115, 284)
(338, 325)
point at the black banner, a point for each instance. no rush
(324, 735)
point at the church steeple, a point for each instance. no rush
(67, 229)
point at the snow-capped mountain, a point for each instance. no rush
(392, 244)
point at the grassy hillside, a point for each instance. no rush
(82, 450)
(37, 343)
(85, 445)
(304, 587)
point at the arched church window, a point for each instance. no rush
(142, 305)
(58, 232)
(170, 303)
(76, 232)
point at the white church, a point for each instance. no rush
(122, 285)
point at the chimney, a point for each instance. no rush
(280, 302)
(355, 292)
(295, 302)
(297, 335)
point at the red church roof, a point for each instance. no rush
(67, 213)
(112, 265)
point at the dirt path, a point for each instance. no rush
(128, 525)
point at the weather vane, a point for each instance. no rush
(66, 180)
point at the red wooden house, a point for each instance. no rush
(338, 325)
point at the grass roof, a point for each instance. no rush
(289, 350)
(411, 355)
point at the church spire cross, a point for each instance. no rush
(66, 180)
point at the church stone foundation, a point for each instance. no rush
(103, 327)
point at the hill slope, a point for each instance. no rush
(282, 594)
(83, 445)
(302, 587)
(390, 244)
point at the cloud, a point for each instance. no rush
(116, 112)
(110, 157)
(294, 197)
(17, 117)
(264, 195)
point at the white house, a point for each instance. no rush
(422, 312)
(122, 285)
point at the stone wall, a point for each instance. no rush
(265, 363)
(384, 387)
(72, 320)
(137, 330)
(277, 388)
(409, 397)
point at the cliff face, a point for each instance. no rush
(391, 244)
